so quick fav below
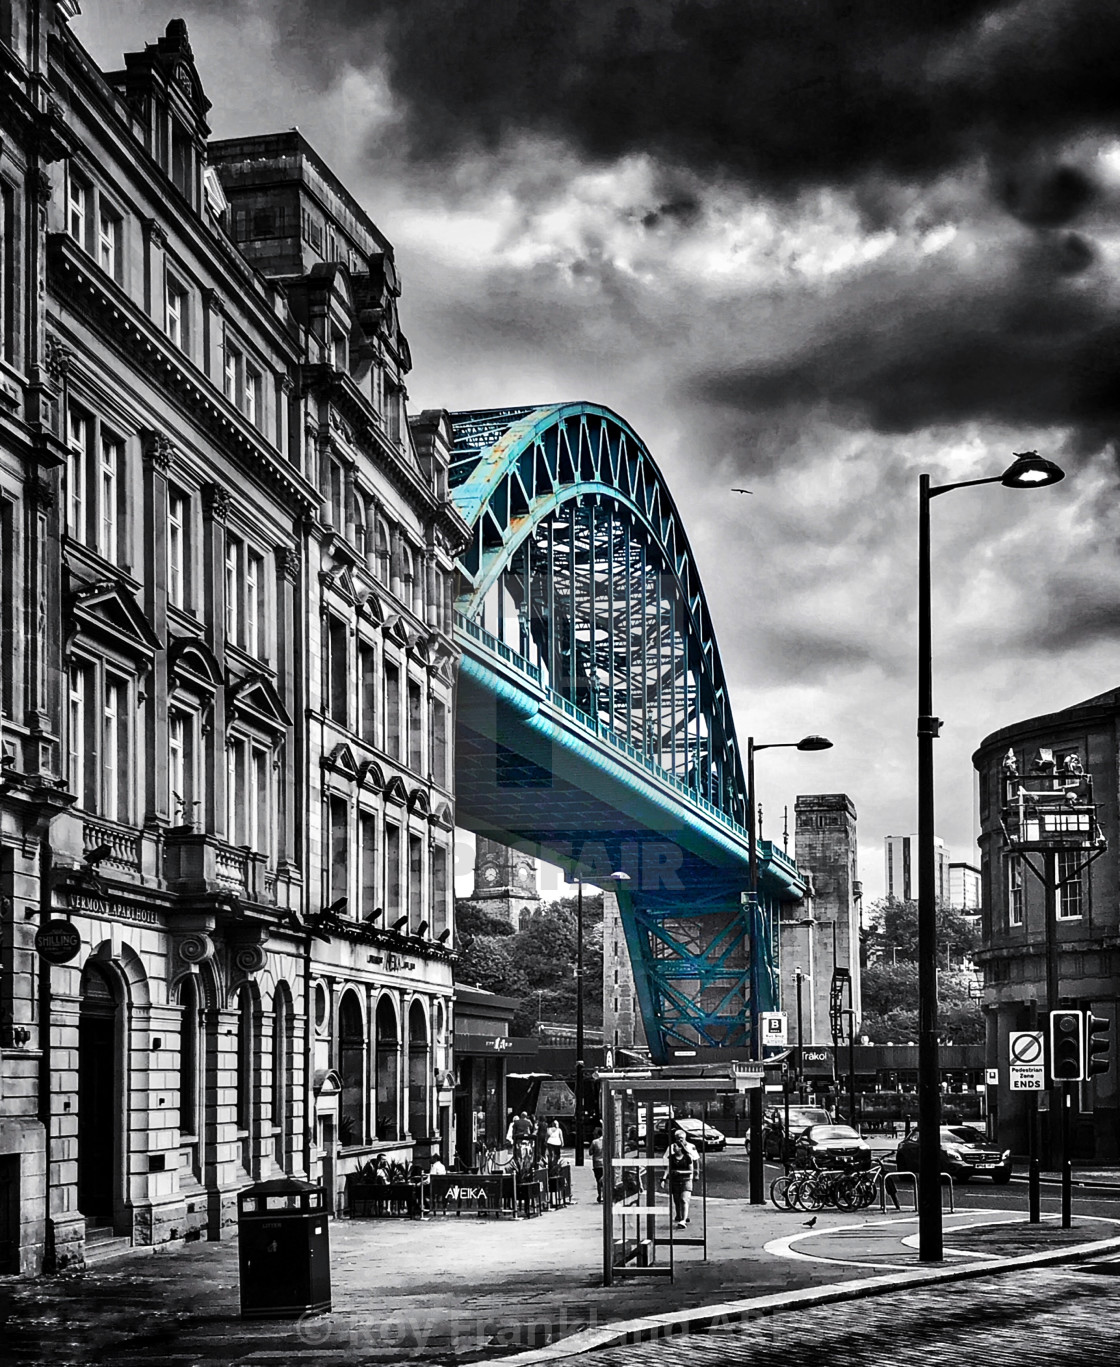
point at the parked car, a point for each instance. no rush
(965, 1152)
(774, 1128)
(831, 1146)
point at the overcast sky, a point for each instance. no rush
(809, 247)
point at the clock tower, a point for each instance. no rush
(505, 881)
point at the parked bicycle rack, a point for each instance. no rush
(946, 1180)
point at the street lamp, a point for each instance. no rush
(619, 877)
(1028, 471)
(755, 1170)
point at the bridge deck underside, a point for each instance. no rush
(682, 907)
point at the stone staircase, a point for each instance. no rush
(102, 1244)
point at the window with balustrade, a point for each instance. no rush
(251, 794)
(100, 742)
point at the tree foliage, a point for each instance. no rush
(889, 980)
(537, 963)
(893, 933)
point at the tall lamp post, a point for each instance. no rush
(619, 877)
(755, 1171)
(1028, 471)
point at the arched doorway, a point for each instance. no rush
(419, 1073)
(100, 1092)
(283, 1054)
(351, 1071)
(388, 1048)
(191, 1087)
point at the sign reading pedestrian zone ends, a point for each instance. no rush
(58, 941)
(1026, 1061)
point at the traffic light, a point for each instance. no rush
(1097, 1043)
(1067, 1046)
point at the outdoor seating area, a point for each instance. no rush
(379, 1191)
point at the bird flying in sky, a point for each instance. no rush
(742, 491)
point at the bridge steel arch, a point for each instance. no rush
(590, 657)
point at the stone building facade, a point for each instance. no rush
(1086, 927)
(226, 689)
(824, 936)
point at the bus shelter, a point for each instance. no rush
(638, 1106)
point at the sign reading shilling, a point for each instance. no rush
(58, 941)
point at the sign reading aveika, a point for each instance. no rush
(58, 941)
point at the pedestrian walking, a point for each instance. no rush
(554, 1144)
(680, 1167)
(595, 1148)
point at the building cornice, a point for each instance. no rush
(109, 311)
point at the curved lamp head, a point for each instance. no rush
(814, 743)
(1031, 471)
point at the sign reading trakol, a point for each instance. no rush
(58, 941)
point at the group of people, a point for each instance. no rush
(544, 1137)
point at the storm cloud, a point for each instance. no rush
(779, 94)
(806, 247)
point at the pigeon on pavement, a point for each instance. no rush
(810, 1223)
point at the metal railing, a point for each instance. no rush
(604, 732)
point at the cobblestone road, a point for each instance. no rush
(1045, 1317)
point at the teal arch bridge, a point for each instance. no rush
(593, 725)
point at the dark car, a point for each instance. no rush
(831, 1146)
(700, 1135)
(774, 1127)
(965, 1152)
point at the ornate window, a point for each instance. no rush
(1070, 885)
(178, 546)
(1014, 890)
(100, 740)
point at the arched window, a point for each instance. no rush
(419, 1073)
(248, 1027)
(190, 1065)
(382, 550)
(388, 1047)
(351, 1069)
(282, 1056)
(408, 574)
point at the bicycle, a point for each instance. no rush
(860, 1189)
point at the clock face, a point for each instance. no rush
(525, 875)
(489, 873)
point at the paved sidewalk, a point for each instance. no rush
(461, 1290)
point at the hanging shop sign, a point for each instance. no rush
(58, 941)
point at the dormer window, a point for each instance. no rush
(339, 351)
(182, 161)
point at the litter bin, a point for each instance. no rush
(284, 1250)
